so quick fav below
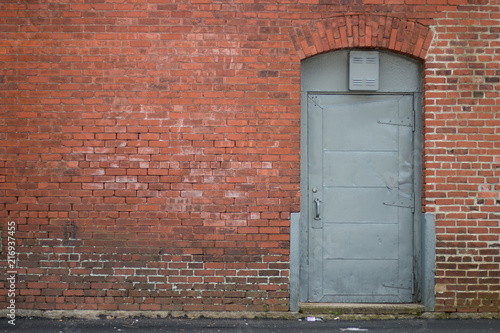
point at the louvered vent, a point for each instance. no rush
(363, 70)
(371, 60)
(357, 60)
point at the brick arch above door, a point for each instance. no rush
(372, 31)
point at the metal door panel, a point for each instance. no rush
(368, 169)
(359, 205)
(345, 127)
(363, 241)
(360, 160)
(349, 278)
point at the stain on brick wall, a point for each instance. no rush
(149, 150)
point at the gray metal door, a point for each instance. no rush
(360, 156)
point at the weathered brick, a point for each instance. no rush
(153, 137)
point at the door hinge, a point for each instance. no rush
(397, 122)
(398, 284)
(403, 203)
(408, 121)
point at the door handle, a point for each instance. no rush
(317, 203)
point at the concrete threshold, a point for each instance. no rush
(319, 309)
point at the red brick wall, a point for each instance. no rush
(462, 155)
(149, 150)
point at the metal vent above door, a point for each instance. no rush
(363, 70)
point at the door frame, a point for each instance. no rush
(316, 77)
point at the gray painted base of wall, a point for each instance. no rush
(428, 262)
(294, 262)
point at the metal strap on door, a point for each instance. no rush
(403, 203)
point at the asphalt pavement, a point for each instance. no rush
(146, 325)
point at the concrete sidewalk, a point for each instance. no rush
(204, 325)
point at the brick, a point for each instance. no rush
(148, 143)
